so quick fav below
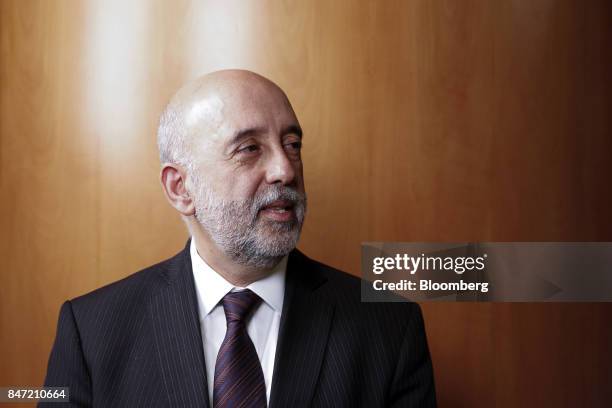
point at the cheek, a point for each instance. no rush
(241, 187)
(299, 176)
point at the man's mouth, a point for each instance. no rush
(279, 210)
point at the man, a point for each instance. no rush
(239, 317)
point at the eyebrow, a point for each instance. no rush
(254, 131)
(292, 129)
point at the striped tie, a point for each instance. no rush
(239, 380)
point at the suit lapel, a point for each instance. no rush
(304, 330)
(176, 331)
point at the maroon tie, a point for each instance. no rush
(239, 380)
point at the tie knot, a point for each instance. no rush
(238, 305)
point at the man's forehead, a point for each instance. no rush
(229, 106)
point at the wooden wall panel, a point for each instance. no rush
(424, 121)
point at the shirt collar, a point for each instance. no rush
(212, 287)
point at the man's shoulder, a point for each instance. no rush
(337, 278)
(345, 290)
(130, 292)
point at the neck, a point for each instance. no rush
(234, 272)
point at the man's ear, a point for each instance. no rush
(173, 179)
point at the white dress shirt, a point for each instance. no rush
(262, 326)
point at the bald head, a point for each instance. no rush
(205, 107)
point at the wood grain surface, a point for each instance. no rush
(429, 120)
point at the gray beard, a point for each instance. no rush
(246, 238)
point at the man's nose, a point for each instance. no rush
(280, 169)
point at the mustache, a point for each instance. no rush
(278, 192)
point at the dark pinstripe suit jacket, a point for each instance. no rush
(137, 343)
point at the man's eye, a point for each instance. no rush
(294, 145)
(248, 149)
